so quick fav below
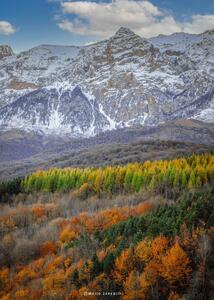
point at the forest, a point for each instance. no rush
(130, 232)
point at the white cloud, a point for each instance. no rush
(103, 19)
(199, 23)
(89, 43)
(6, 28)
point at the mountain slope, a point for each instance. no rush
(34, 150)
(64, 110)
(5, 51)
(123, 81)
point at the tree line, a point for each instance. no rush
(166, 177)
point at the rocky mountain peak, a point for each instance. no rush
(209, 32)
(125, 39)
(124, 32)
(5, 51)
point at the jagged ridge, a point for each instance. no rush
(123, 81)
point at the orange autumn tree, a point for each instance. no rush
(149, 254)
(48, 247)
(124, 264)
(67, 235)
(159, 246)
(4, 281)
(38, 211)
(132, 287)
(152, 272)
(54, 285)
(149, 279)
(22, 294)
(143, 251)
(175, 265)
(141, 208)
(25, 276)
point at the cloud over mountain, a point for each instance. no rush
(102, 19)
(6, 28)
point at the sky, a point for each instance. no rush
(28, 23)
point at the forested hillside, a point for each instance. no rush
(160, 176)
(130, 232)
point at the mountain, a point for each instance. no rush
(5, 51)
(120, 82)
(56, 109)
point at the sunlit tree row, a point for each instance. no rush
(162, 176)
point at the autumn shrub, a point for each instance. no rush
(48, 248)
(25, 251)
(68, 235)
(83, 192)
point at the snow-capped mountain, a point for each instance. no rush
(119, 82)
(55, 109)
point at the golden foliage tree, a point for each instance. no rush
(175, 265)
(132, 287)
(124, 264)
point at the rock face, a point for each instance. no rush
(120, 82)
(5, 51)
(55, 109)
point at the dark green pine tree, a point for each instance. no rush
(183, 179)
(120, 247)
(96, 266)
(108, 262)
(75, 278)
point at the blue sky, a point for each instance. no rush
(27, 23)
